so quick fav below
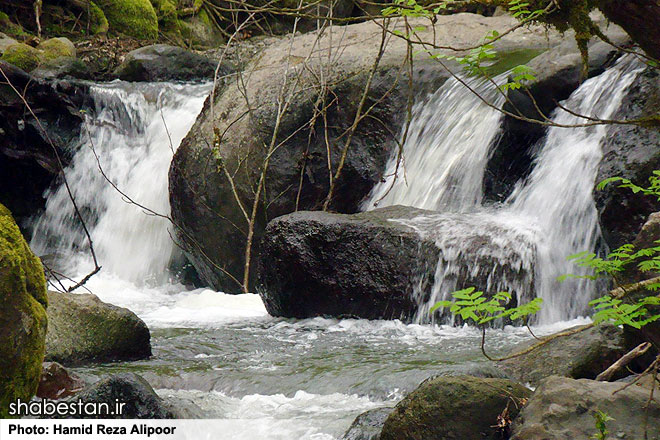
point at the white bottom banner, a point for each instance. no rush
(78, 429)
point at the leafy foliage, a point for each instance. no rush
(620, 313)
(474, 306)
(601, 418)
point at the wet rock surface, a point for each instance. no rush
(84, 329)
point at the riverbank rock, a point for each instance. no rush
(62, 67)
(458, 407)
(57, 47)
(377, 264)
(581, 355)
(558, 73)
(563, 408)
(161, 62)
(57, 382)
(221, 160)
(141, 400)
(25, 149)
(632, 152)
(84, 329)
(23, 320)
(368, 425)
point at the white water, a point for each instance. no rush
(557, 198)
(265, 377)
(445, 152)
(548, 217)
(133, 129)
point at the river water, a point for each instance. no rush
(221, 356)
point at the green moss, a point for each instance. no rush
(98, 21)
(135, 18)
(166, 14)
(56, 47)
(23, 303)
(22, 56)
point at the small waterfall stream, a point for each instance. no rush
(549, 216)
(133, 130)
(221, 356)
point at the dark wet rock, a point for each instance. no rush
(211, 224)
(582, 355)
(368, 425)
(141, 400)
(23, 319)
(84, 329)
(160, 62)
(363, 265)
(457, 407)
(57, 382)
(25, 149)
(632, 152)
(563, 408)
(370, 265)
(558, 74)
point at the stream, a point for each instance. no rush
(222, 356)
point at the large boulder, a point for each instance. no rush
(632, 152)
(563, 409)
(582, 355)
(380, 264)
(222, 158)
(33, 147)
(455, 408)
(23, 321)
(84, 329)
(140, 399)
(161, 62)
(558, 73)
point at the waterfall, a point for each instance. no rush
(549, 216)
(445, 151)
(558, 195)
(133, 129)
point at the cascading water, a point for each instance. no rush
(548, 217)
(446, 150)
(220, 356)
(131, 133)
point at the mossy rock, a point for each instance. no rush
(54, 48)
(23, 319)
(453, 408)
(83, 329)
(134, 18)
(584, 354)
(22, 56)
(199, 32)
